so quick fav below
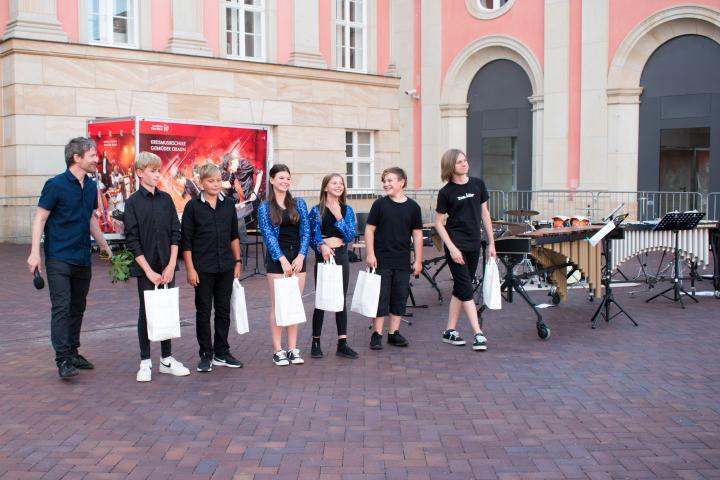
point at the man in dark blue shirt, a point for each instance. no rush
(65, 215)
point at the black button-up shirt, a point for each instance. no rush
(207, 232)
(151, 227)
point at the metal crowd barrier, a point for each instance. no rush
(16, 213)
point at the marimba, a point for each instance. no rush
(640, 238)
(555, 248)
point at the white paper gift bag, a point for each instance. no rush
(238, 308)
(329, 293)
(162, 311)
(491, 285)
(289, 308)
(367, 293)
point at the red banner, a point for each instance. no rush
(241, 154)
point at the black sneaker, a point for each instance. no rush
(66, 369)
(82, 363)
(397, 340)
(280, 358)
(315, 350)
(205, 364)
(376, 341)
(227, 360)
(452, 337)
(343, 350)
(480, 342)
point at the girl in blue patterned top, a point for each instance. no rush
(283, 222)
(332, 227)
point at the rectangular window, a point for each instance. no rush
(245, 29)
(350, 35)
(360, 161)
(113, 22)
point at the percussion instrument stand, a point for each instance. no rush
(675, 222)
(431, 278)
(513, 282)
(608, 297)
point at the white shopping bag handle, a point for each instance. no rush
(370, 270)
(236, 282)
(164, 285)
(331, 261)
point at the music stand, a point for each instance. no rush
(258, 244)
(608, 297)
(674, 222)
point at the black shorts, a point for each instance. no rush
(463, 275)
(290, 251)
(394, 291)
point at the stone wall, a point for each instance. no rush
(49, 91)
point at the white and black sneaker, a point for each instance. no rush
(227, 360)
(294, 357)
(280, 358)
(480, 342)
(452, 337)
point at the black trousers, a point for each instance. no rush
(68, 285)
(463, 274)
(341, 258)
(214, 288)
(166, 345)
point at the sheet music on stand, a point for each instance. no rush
(674, 221)
(607, 228)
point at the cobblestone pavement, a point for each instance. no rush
(615, 402)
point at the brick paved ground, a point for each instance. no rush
(616, 402)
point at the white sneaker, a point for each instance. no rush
(173, 367)
(294, 357)
(145, 372)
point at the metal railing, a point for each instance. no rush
(16, 213)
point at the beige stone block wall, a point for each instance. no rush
(50, 91)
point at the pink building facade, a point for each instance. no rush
(542, 94)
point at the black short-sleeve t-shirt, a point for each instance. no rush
(394, 223)
(462, 203)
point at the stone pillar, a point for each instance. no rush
(187, 35)
(453, 126)
(623, 123)
(306, 38)
(538, 108)
(34, 19)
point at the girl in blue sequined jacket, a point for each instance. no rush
(271, 232)
(283, 222)
(346, 226)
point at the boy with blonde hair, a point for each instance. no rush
(152, 232)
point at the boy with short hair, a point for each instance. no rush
(392, 221)
(152, 232)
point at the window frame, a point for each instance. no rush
(346, 25)
(110, 42)
(481, 12)
(355, 159)
(262, 9)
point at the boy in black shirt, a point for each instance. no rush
(392, 221)
(152, 233)
(211, 250)
(464, 200)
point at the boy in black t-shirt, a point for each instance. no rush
(392, 221)
(464, 200)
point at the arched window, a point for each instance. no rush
(491, 4)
